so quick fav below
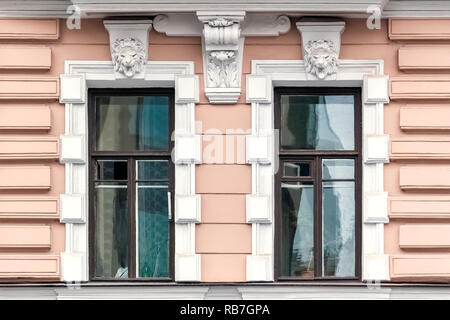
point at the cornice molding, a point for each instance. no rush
(337, 8)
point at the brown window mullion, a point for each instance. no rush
(131, 218)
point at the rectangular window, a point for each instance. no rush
(318, 185)
(131, 181)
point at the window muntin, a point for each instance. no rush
(318, 184)
(131, 232)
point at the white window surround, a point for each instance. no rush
(78, 77)
(351, 73)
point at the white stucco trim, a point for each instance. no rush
(100, 74)
(292, 73)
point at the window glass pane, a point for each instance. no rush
(152, 170)
(338, 169)
(297, 235)
(338, 229)
(292, 169)
(317, 122)
(132, 123)
(112, 169)
(153, 229)
(111, 230)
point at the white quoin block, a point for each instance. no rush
(376, 267)
(188, 267)
(72, 149)
(186, 89)
(376, 89)
(188, 149)
(377, 149)
(72, 266)
(259, 268)
(376, 207)
(258, 209)
(259, 89)
(257, 149)
(71, 208)
(187, 208)
(73, 88)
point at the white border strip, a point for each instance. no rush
(293, 73)
(100, 74)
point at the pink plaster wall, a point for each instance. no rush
(223, 186)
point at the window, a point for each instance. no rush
(318, 184)
(131, 180)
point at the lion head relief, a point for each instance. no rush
(321, 58)
(128, 56)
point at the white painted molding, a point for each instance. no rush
(293, 73)
(129, 46)
(101, 74)
(376, 89)
(72, 266)
(72, 88)
(222, 54)
(72, 208)
(258, 149)
(223, 95)
(188, 149)
(259, 89)
(72, 148)
(321, 43)
(258, 209)
(223, 34)
(376, 267)
(186, 88)
(187, 208)
(377, 149)
(188, 267)
(348, 9)
(376, 207)
(259, 268)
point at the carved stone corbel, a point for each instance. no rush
(129, 47)
(321, 41)
(223, 36)
(222, 55)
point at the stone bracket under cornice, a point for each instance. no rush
(321, 42)
(128, 41)
(223, 34)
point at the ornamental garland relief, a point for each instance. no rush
(321, 58)
(128, 55)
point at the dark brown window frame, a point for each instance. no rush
(131, 158)
(316, 156)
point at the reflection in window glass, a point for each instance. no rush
(111, 230)
(152, 216)
(293, 169)
(297, 252)
(132, 123)
(153, 229)
(338, 228)
(317, 122)
(112, 169)
(152, 170)
(338, 169)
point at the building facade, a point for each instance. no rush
(255, 150)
